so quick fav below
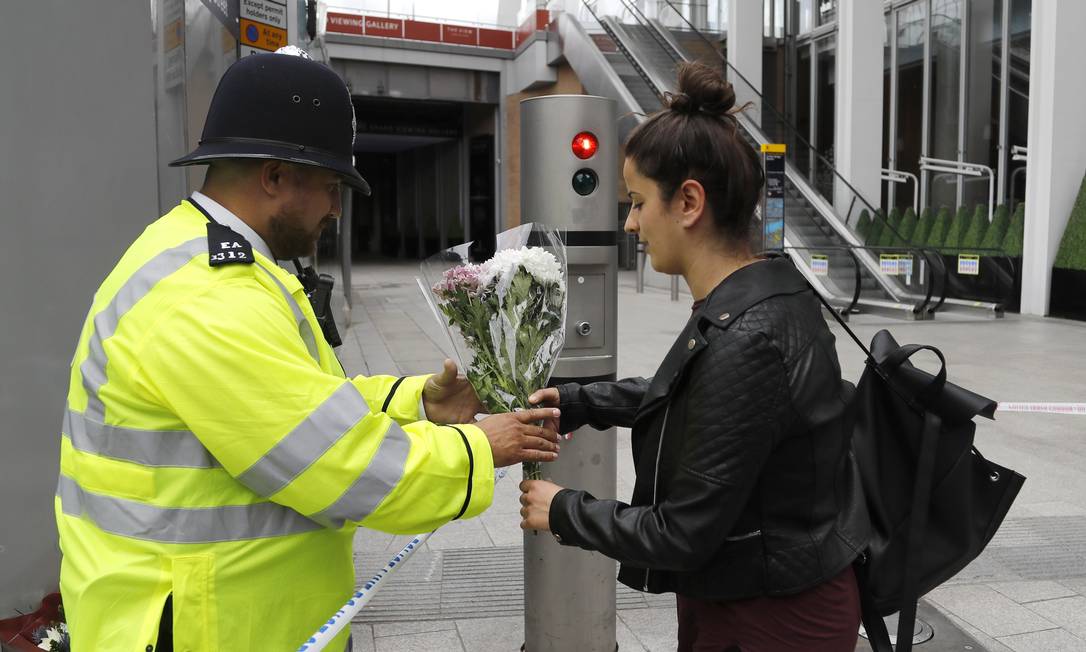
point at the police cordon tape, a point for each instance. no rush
(329, 630)
(339, 620)
(1046, 408)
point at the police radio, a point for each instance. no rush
(318, 289)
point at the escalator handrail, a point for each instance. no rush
(855, 268)
(875, 214)
(625, 51)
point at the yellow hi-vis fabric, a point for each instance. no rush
(213, 450)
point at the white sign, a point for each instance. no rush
(820, 265)
(269, 12)
(889, 264)
(968, 265)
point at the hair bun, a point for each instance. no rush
(701, 88)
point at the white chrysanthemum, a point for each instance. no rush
(542, 264)
(538, 262)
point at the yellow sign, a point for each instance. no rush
(773, 148)
(262, 36)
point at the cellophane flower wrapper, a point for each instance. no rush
(505, 315)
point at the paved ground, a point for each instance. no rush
(1027, 592)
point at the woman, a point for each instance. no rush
(745, 503)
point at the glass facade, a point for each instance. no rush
(944, 88)
(908, 128)
(955, 87)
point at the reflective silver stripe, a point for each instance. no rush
(310, 439)
(181, 525)
(135, 288)
(178, 448)
(304, 329)
(380, 477)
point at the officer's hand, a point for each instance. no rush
(514, 436)
(547, 398)
(449, 398)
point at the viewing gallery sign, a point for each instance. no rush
(418, 30)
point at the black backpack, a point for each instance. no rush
(934, 501)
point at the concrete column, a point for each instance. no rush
(1057, 140)
(858, 130)
(745, 54)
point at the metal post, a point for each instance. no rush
(569, 593)
(640, 267)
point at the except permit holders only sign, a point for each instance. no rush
(262, 26)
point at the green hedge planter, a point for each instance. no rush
(978, 227)
(997, 230)
(937, 234)
(919, 236)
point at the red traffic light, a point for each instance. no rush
(585, 145)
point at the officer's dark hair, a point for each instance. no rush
(696, 137)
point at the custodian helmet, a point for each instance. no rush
(282, 107)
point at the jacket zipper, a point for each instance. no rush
(656, 472)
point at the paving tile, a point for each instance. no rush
(1052, 640)
(1068, 613)
(988, 610)
(485, 634)
(503, 529)
(625, 638)
(1057, 508)
(1033, 591)
(1076, 584)
(461, 534)
(990, 644)
(361, 638)
(381, 630)
(656, 629)
(443, 641)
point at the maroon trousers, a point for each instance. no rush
(825, 618)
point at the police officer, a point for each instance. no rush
(215, 459)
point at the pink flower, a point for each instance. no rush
(461, 278)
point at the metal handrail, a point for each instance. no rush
(962, 168)
(900, 176)
(788, 126)
(625, 51)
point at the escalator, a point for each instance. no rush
(643, 54)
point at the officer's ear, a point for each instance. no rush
(274, 177)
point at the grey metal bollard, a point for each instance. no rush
(569, 181)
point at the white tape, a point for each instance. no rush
(1048, 408)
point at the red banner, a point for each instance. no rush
(343, 23)
(459, 35)
(384, 27)
(420, 31)
(495, 38)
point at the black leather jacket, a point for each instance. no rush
(745, 486)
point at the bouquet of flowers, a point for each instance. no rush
(42, 629)
(505, 316)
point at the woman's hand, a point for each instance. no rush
(535, 500)
(547, 397)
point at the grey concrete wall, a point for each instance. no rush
(77, 185)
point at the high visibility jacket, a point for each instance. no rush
(213, 450)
